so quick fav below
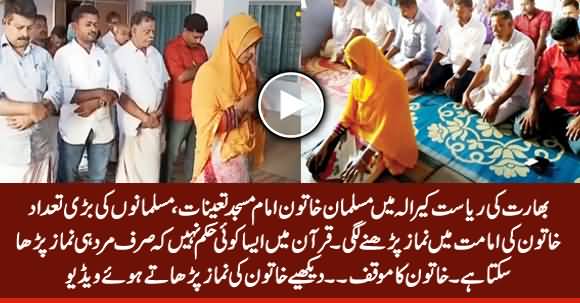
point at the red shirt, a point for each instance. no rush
(178, 58)
(542, 20)
(562, 73)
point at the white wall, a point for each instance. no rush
(213, 11)
(136, 5)
(235, 7)
(316, 23)
(1, 16)
(217, 13)
(46, 7)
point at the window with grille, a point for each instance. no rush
(279, 50)
(169, 17)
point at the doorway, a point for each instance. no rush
(64, 9)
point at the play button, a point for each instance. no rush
(291, 105)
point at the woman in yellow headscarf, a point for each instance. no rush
(224, 104)
(375, 131)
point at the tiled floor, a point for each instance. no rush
(446, 175)
(274, 170)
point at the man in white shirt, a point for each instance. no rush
(347, 23)
(378, 23)
(39, 33)
(502, 86)
(30, 91)
(458, 56)
(90, 86)
(413, 47)
(144, 80)
(108, 39)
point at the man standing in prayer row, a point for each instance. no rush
(91, 86)
(184, 55)
(144, 80)
(30, 91)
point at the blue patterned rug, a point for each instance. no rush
(482, 152)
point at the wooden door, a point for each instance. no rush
(60, 13)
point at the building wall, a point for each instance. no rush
(316, 23)
(44, 7)
(1, 16)
(217, 13)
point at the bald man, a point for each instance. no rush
(121, 34)
(107, 40)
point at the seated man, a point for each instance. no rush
(502, 86)
(534, 23)
(458, 56)
(570, 8)
(556, 110)
(347, 23)
(484, 9)
(413, 47)
(379, 25)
